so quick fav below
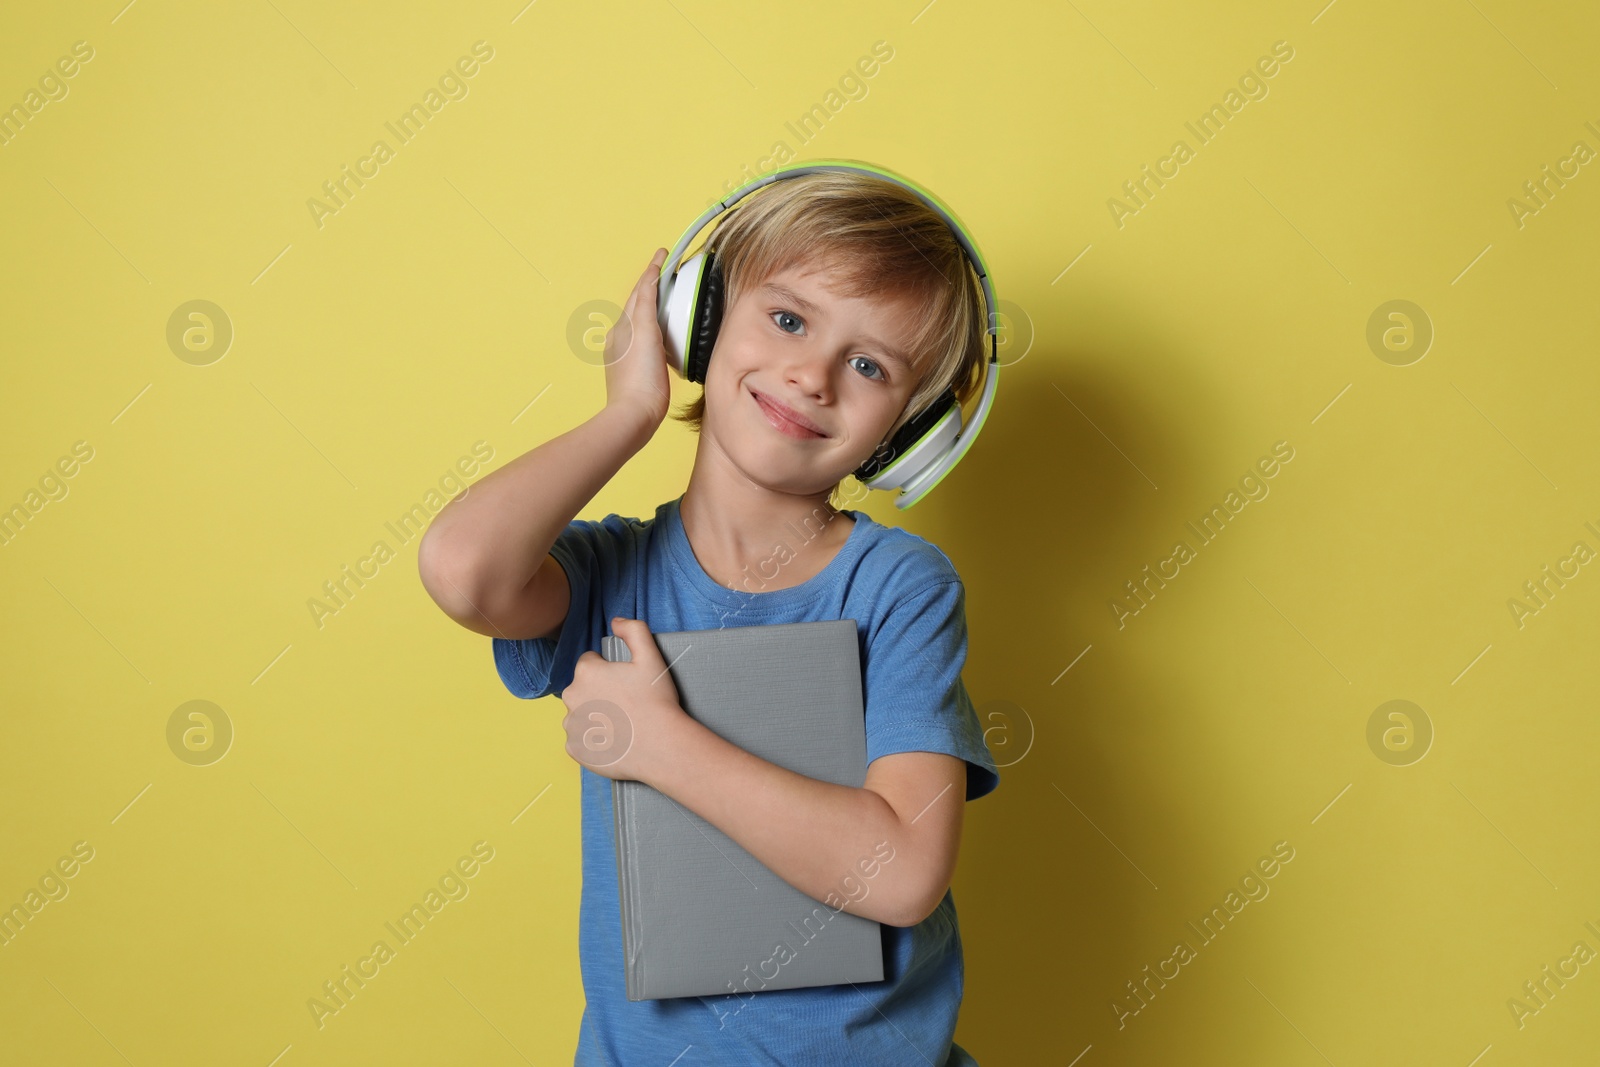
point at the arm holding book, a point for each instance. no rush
(812, 834)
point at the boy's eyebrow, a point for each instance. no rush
(894, 354)
(785, 293)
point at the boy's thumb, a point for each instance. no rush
(636, 635)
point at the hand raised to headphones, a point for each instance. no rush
(635, 354)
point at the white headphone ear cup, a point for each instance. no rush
(677, 300)
(923, 456)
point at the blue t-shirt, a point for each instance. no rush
(909, 605)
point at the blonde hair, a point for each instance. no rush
(875, 237)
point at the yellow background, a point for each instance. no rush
(1230, 313)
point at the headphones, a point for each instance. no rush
(918, 456)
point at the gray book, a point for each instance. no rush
(700, 915)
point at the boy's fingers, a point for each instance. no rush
(651, 276)
(636, 299)
(651, 270)
(644, 291)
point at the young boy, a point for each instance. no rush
(849, 305)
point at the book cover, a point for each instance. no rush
(700, 915)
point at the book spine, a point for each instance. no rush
(627, 887)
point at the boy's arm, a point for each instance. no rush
(481, 557)
(827, 840)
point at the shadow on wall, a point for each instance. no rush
(1072, 867)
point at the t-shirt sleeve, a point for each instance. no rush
(915, 699)
(595, 557)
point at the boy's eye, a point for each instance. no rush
(873, 364)
(780, 316)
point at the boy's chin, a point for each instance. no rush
(774, 464)
(786, 478)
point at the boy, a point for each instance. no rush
(849, 305)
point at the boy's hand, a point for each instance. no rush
(623, 718)
(636, 354)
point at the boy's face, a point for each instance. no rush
(841, 363)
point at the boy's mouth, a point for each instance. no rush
(784, 420)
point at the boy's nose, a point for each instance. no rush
(810, 377)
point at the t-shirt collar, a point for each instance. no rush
(750, 598)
